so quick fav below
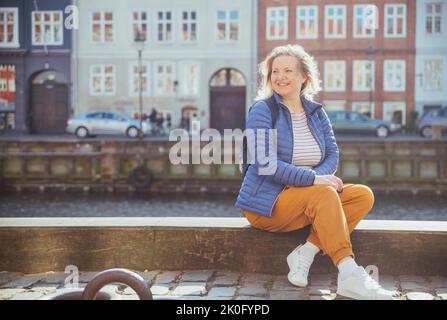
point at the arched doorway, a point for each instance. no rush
(227, 99)
(49, 102)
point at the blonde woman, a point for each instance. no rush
(303, 189)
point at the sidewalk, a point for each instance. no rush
(217, 285)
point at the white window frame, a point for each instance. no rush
(15, 43)
(395, 17)
(387, 105)
(42, 23)
(363, 34)
(103, 76)
(440, 70)
(140, 22)
(102, 23)
(184, 84)
(276, 22)
(364, 75)
(227, 22)
(358, 104)
(335, 74)
(164, 21)
(334, 105)
(306, 20)
(157, 76)
(132, 75)
(189, 22)
(326, 22)
(433, 15)
(389, 67)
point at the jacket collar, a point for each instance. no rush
(309, 106)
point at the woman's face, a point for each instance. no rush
(286, 77)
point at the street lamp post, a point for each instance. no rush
(140, 38)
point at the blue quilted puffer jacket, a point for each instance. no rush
(259, 192)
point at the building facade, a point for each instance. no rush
(35, 45)
(431, 55)
(197, 60)
(364, 50)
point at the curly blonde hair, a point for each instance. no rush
(306, 63)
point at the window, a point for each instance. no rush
(47, 28)
(102, 79)
(365, 17)
(134, 78)
(335, 22)
(394, 75)
(395, 20)
(334, 105)
(102, 26)
(94, 115)
(227, 25)
(164, 26)
(433, 18)
(277, 18)
(164, 78)
(433, 75)
(9, 27)
(7, 88)
(334, 75)
(140, 23)
(306, 22)
(364, 107)
(189, 26)
(363, 75)
(394, 112)
(189, 78)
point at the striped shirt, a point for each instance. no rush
(306, 151)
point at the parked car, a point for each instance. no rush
(355, 122)
(424, 123)
(93, 123)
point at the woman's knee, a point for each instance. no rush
(367, 196)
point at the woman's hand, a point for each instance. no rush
(329, 180)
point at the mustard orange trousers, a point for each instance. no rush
(333, 215)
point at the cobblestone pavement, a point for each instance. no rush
(216, 285)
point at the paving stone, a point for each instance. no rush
(414, 286)
(45, 288)
(149, 276)
(438, 282)
(226, 280)
(222, 292)
(256, 277)
(55, 278)
(319, 290)
(252, 289)
(287, 295)
(197, 276)
(249, 298)
(388, 282)
(129, 297)
(419, 296)
(6, 294)
(282, 283)
(87, 276)
(160, 289)
(6, 276)
(441, 293)
(27, 295)
(321, 279)
(24, 282)
(190, 289)
(325, 297)
(412, 278)
(167, 277)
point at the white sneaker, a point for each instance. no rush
(299, 265)
(361, 286)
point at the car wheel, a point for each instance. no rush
(132, 132)
(427, 132)
(82, 132)
(382, 132)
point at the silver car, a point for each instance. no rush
(436, 117)
(100, 122)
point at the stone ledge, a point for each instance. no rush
(32, 245)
